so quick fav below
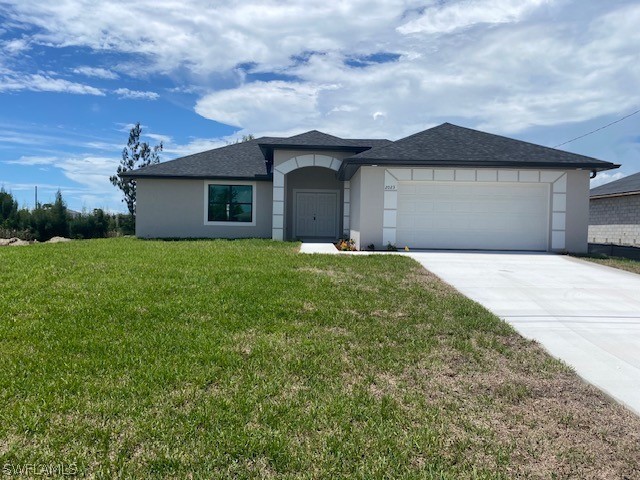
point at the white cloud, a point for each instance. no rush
(497, 79)
(283, 103)
(211, 37)
(158, 137)
(33, 160)
(606, 177)
(196, 145)
(50, 139)
(96, 72)
(136, 94)
(44, 83)
(104, 146)
(500, 65)
(91, 174)
(189, 89)
(126, 127)
(344, 108)
(451, 16)
(15, 46)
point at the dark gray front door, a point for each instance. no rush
(316, 214)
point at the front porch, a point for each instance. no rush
(309, 202)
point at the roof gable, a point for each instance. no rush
(448, 143)
(313, 137)
(626, 185)
(317, 139)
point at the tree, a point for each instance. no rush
(8, 209)
(135, 155)
(59, 218)
(245, 138)
(50, 220)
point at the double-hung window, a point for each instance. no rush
(230, 203)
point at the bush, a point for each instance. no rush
(52, 219)
(89, 225)
(124, 224)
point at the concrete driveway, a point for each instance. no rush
(585, 314)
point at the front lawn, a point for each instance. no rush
(615, 262)
(217, 359)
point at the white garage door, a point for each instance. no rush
(461, 215)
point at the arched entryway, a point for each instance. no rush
(309, 202)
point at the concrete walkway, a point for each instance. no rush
(318, 248)
(585, 314)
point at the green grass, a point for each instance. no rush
(218, 359)
(615, 262)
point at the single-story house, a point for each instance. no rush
(614, 212)
(447, 187)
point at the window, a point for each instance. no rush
(230, 203)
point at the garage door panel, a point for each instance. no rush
(473, 216)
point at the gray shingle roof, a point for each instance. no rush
(626, 185)
(449, 144)
(240, 160)
(445, 144)
(314, 138)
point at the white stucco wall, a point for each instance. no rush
(577, 218)
(367, 207)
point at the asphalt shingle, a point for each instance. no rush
(240, 160)
(630, 184)
(444, 145)
(314, 138)
(451, 144)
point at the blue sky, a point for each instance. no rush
(75, 74)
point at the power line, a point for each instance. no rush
(598, 129)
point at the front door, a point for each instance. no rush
(316, 214)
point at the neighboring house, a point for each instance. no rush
(73, 213)
(448, 187)
(614, 212)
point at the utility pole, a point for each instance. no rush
(36, 205)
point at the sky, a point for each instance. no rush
(75, 75)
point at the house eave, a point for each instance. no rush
(611, 195)
(350, 166)
(263, 178)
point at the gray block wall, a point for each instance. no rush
(615, 220)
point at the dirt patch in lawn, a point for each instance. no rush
(429, 281)
(16, 242)
(520, 413)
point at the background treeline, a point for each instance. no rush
(54, 220)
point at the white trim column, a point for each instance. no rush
(390, 206)
(346, 209)
(277, 222)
